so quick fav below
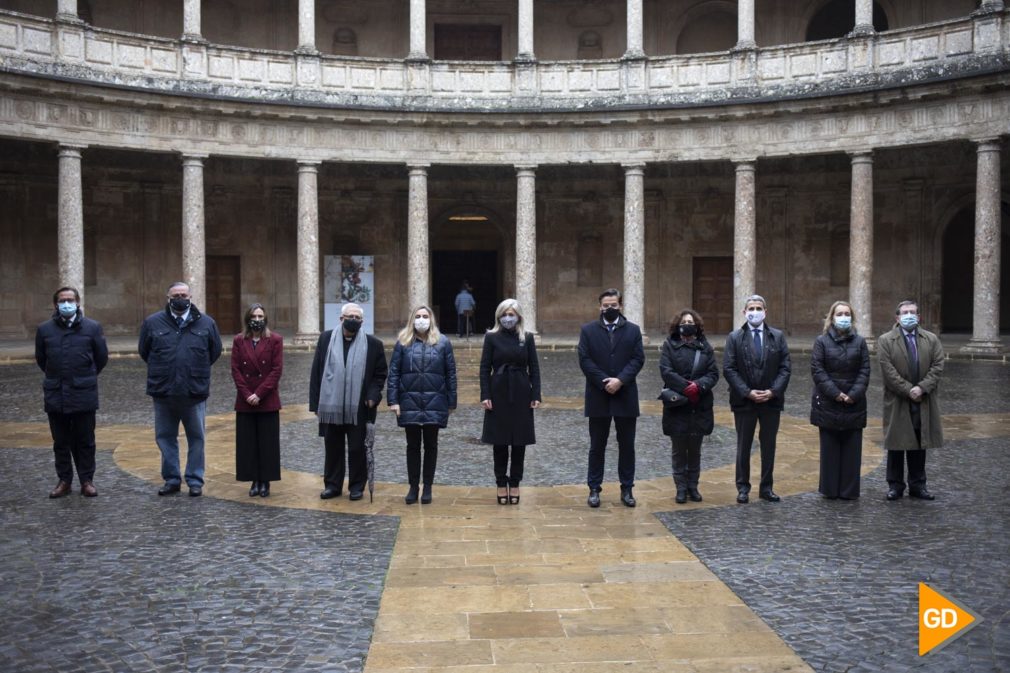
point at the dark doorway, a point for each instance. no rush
(480, 269)
(467, 42)
(713, 293)
(837, 19)
(224, 298)
(958, 279)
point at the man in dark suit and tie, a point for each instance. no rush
(756, 366)
(611, 354)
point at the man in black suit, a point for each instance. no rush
(611, 354)
(757, 368)
(345, 388)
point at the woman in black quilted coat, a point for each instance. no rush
(840, 365)
(421, 389)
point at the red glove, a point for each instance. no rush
(693, 392)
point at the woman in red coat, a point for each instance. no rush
(257, 359)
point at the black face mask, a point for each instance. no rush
(352, 325)
(257, 325)
(688, 330)
(179, 305)
(611, 313)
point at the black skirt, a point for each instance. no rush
(258, 446)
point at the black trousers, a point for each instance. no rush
(916, 470)
(257, 446)
(503, 474)
(74, 444)
(686, 460)
(599, 433)
(841, 457)
(415, 433)
(746, 422)
(336, 438)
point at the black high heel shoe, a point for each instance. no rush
(254, 490)
(513, 499)
(264, 489)
(503, 499)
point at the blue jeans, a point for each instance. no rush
(168, 413)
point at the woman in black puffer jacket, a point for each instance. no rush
(840, 365)
(687, 365)
(421, 389)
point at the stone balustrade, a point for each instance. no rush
(37, 46)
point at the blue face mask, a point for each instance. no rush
(908, 320)
(843, 322)
(508, 321)
(67, 308)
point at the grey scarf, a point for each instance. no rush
(340, 392)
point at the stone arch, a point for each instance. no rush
(345, 42)
(836, 18)
(714, 20)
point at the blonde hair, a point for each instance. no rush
(500, 311)
(408, 333)
(829, 319)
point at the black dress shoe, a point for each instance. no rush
(681, 496)
(264, 489)
(195, 491)
(742, 497)
(627, 498)
(921, 494)
(411, 496)
(169, 489)
(894, 494)
(426, 495)
(694, 494)
(769, 496)
(62, 489)
(254, 490)
(355, 495)
(594, 497)
(329, 493)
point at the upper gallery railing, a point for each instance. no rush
(41, 47)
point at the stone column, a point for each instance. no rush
(744, 237)
(70, 237)
(418, 31)
(66, 10)
(307, 245)
(418, 272)
(526, 245)
(745, 24)
(191, 12)
(526, 31)
(194, 238)
(985, 307)
(307, 27)
(634, 49)
(634, 243)
(861, 244)
(864, 18)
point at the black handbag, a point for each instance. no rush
(671, 398)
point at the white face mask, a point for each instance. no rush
(755, 318)
(422, 324)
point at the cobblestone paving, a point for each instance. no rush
(130, 582)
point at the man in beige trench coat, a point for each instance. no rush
(911, 361)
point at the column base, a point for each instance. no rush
(862, 30)
(982, 347)
(307, 50)
(193, 38)
(634, 55)
(744, 45)
(70, 18)
(418, 58)
(306, 338)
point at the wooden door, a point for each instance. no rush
(224, 293)
(467, 42)
(713, 294)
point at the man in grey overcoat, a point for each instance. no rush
(911, 362)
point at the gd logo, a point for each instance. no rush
(941, 620)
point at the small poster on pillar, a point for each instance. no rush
(348, 278)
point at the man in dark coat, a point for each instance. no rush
(345, 387)
(179, 345)
(611, 354)
(757, 367)
(71, 350)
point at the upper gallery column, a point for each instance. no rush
(985, 307)
(191, 28)
(308, 252)
(307, 26)
(526, 245)
(194, 246)
(70, 237)
(864, 17)
(418, 31)
(745, 24)
(744, 237)
(526, 31)
(634, 243)
(66, 10)
(418, 291)
(861, 243)
(634, 49)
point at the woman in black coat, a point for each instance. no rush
(687, 365)
(421, 390)
(509, 392)
(840, 365)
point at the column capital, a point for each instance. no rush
(863, 157)
(71, 150)
(987, 144)
(633, 167)
(745, 164)
(193, 158)
(308, 165)
(418, 168)
(526, 169)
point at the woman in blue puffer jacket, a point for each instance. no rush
(421, 389)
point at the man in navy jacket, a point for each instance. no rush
(611, 354)
(179, 345)
(71, 350)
